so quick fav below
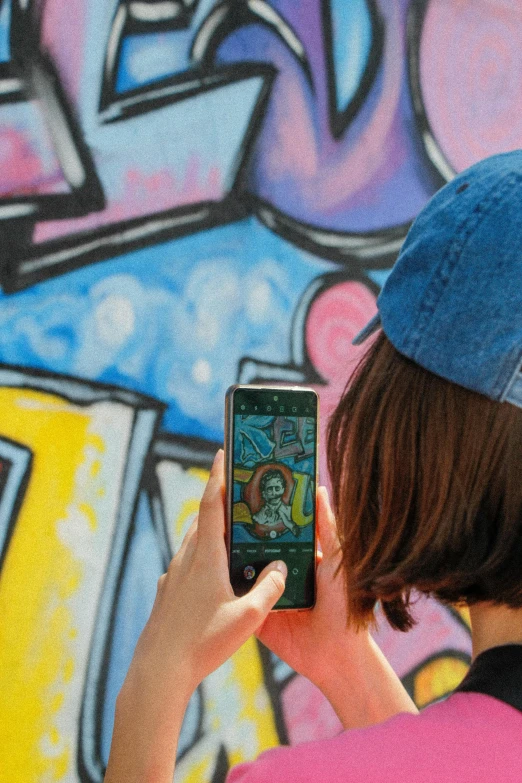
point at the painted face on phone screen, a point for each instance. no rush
(273, 495)
(273, 470)
(274, 516)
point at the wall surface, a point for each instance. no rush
(194, 193)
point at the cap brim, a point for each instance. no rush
(370, 328)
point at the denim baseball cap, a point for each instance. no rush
(453, 300)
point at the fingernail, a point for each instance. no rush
(279, 565)
(217, 459)
(325, 494)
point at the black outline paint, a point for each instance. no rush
(179, 19)
(221, 766)
(46, 260)
(186, 450)
(439, 164)
(40, 83)
(24, 265)
(33, 77)
(360, 250)
(11, 84)
(339, 120)
(21, 459)
(73, 389)
(459, 618)
(125, 23)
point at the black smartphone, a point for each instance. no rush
(271, 482)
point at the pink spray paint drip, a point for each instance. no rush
(143, 194)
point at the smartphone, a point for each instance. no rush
(271, 439)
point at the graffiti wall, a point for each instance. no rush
(195, 193)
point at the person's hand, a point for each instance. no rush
(318, 641)
(197, 622)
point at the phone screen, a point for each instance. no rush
(273, 442)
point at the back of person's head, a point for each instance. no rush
(425, 446)
(427, 487)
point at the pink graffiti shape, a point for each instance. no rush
(23, 170)
(334, 319)
(143, 193)
(470, 68)
(308, 715)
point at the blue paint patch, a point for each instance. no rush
(195, 146)
(172, 321)
(5, 30)
(351, 46)
(147, 58)
(379, 276)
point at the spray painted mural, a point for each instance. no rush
(194, 193)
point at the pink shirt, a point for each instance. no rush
(468, 738)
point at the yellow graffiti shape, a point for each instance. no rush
(298, 501)
(438, 678)
(242, 475)
(43, 569)
(241, 513)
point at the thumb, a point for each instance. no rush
(266, 592)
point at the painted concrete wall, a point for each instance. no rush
(192, 194)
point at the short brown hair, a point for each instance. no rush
(427, 489)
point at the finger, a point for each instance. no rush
(266, 592)
(326, 527)
(211, 509)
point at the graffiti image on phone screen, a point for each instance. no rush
(273, 503)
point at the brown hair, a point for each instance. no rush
(427, 489)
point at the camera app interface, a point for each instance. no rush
(273, 504)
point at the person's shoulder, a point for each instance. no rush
(340, 759)
(454, 739)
